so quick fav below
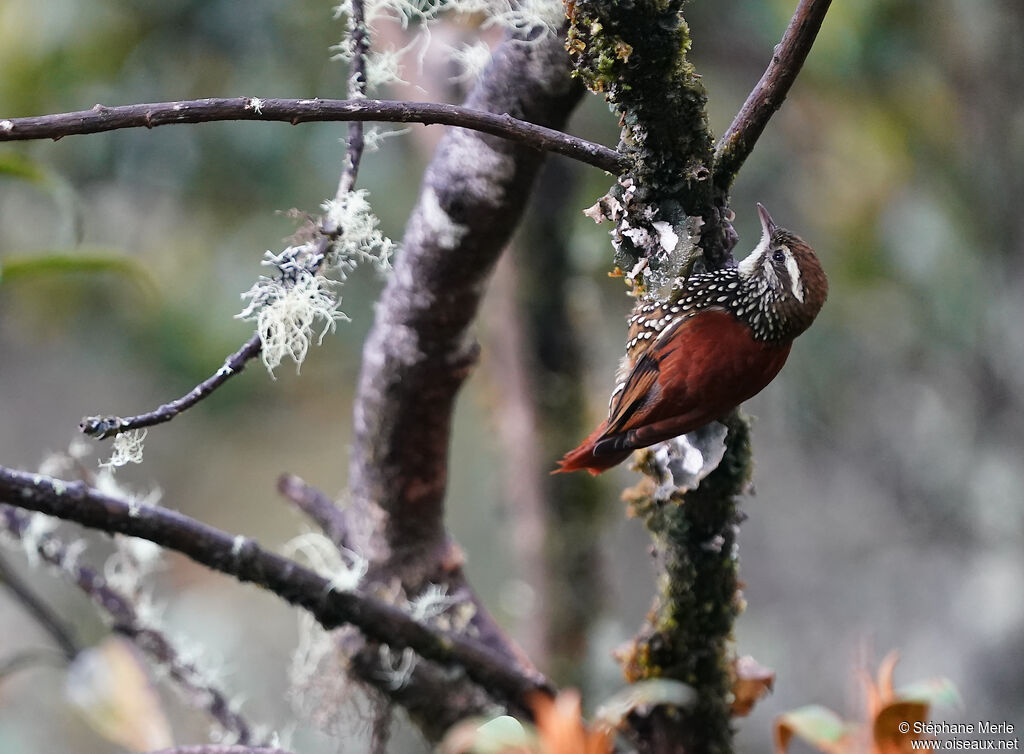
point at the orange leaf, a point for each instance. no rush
(751, 681)
(886, 733)
(561, 728)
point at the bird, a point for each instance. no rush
(717, 339)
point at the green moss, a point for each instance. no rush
(688, 632)
(634, 52)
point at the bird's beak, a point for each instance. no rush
(768, 225)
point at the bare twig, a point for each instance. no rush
(359, 38)
(43, 613)
(125, 619)
(315, 504)
(102, 427)
(28, 659)
(245, 560)
(103, 118)
(767, 97)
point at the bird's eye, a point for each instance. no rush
(778, 255)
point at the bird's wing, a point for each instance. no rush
(640, 390)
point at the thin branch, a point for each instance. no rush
(359, 38)
(767, 97)
(317, 506)
(102, 427)
(103, 118)
(43, 613)
(126, 621)
(245, 560)
(30, 658)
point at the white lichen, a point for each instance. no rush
(130, 566)
(343, 568)
(39, 527)
(286, 311)
(529, 18)
(374, 137)
(447, 233)
(471, 59)
(127, 448)
(396, 672)
(358, 237)
(431, 602)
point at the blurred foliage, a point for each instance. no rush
(891, 492)
(894, 718)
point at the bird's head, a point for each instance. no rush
(784, 269)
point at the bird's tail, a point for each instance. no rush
(583, 456)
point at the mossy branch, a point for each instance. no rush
(688, 633)
(635, 54)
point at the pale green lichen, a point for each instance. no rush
(343, 568)
(127, 448)
(286, 313)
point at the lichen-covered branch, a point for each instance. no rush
(636, 55)
(150, 115)
(246, 561)
(124, 618)
(420, 349)
(688, 633)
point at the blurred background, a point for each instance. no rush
(889, 507)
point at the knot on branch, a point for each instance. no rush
(102, 427)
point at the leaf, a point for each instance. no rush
(751, 681)
(650, 693)
(19, 167)
(500, 734)
(81, 261)
(561, 728)
(933, 691)
(888, 737)
(108, 686)
(819, 726)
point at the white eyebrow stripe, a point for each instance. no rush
(794, 275)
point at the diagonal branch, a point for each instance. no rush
(767, 97)
(125, 619)
(102, 427)
(43, 613)
(103, 118)
(245, 560)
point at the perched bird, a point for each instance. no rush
(718, 339)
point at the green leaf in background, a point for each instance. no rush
(84, 260)
(17, 166)
(650, 693)
(817, 725)
(933, 691)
